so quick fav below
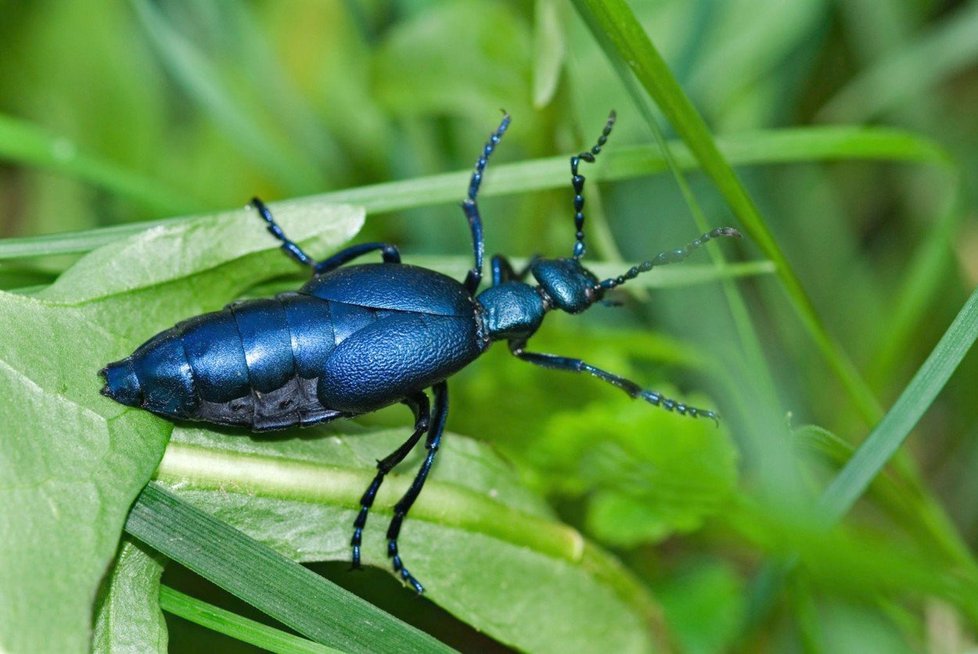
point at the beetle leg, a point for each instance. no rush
(471, 207)
(288, 245)
(422, 413)
(502, 269)
(630, 387)
(404, 504)
(388, 252)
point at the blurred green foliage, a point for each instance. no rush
(117, 112)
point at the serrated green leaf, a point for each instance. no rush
(72, 461)
(647, 475)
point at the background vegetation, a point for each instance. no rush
(851, 129)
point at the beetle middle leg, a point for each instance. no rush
(634, 390)
(421, 408)
(388, 252)
(404, 504)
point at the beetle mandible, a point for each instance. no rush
(357, 338)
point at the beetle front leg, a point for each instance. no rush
(404, 504)
(422, 414)
(634, 390)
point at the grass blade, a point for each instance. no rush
(286, 591)
(910, 69)
(916, 398)
(26, 144)
(625, 40)
(775, 146)
(236, 626)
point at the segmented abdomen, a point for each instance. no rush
(253, 364)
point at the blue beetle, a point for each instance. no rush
(357, 338)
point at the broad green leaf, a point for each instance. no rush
(485, 548)
(72, 461)
(128, 616)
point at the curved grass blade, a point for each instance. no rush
(765, 147)
(625, 40)
(889, 434)
(288, 592)
(236, 626)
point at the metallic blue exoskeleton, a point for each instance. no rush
(358, 338)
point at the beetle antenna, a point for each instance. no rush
(669, 256)
(577, 180)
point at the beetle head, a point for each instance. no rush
(570, 286)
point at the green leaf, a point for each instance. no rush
(646, 475)
(128, 617)
(486, 549)
(72, 461)
(704, 605)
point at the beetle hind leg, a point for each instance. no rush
(422, 413)
(388, 252)
(404, 504)
(289, 246)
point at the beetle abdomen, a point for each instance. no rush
(253, 364)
